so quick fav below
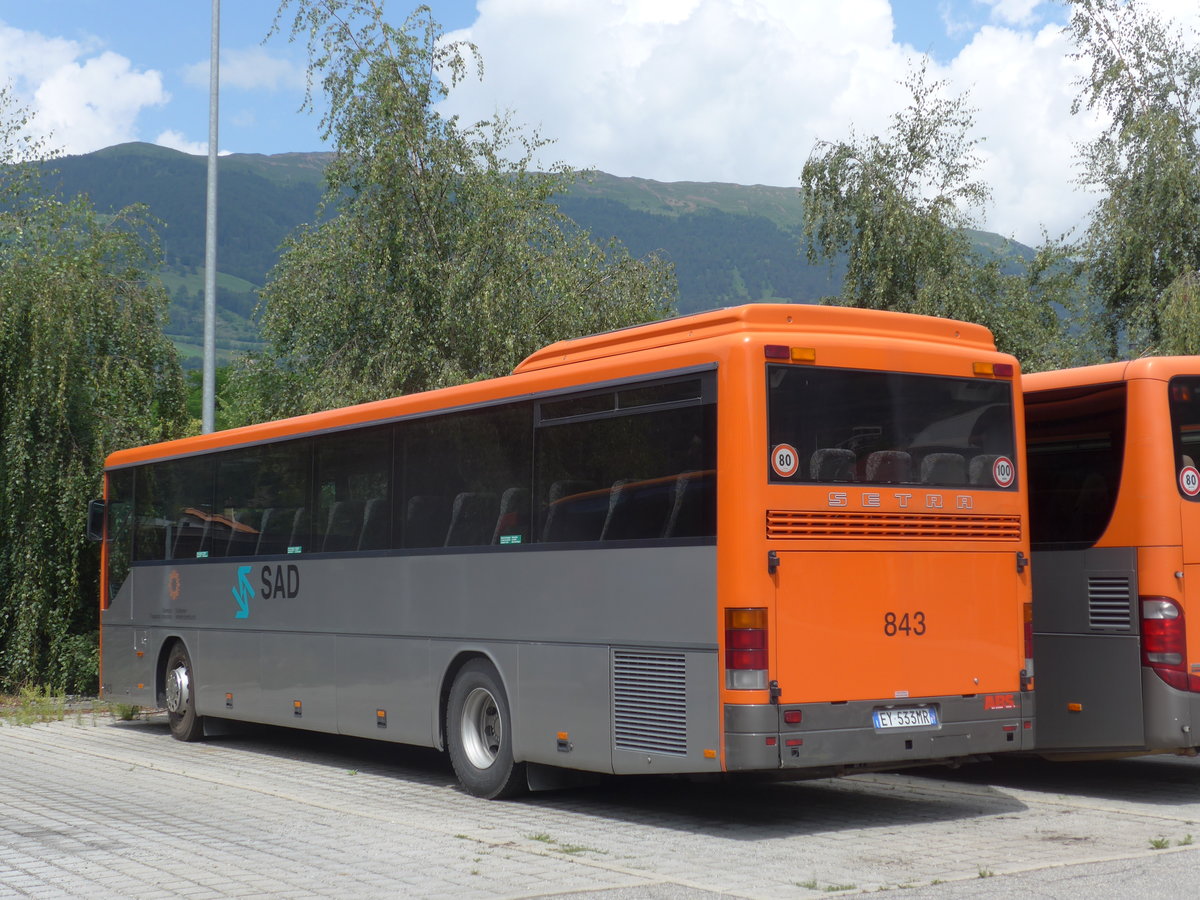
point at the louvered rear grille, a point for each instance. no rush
(785, 524)
(1109, 602)
(650, 702)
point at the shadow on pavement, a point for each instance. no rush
(740, 809)
(1165, 780)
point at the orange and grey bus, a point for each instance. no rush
(1115, 521)
(770, 538)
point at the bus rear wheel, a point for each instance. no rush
(479, 734)
(181, 696)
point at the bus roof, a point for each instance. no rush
(1157, 368)
(533, 373)
(760, 317)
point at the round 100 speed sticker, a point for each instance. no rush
(1189, 481)
(785, 460)
(1003, 471)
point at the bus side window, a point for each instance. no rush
(461, 478)
(353, 481)
(619, 474)
(174, 509)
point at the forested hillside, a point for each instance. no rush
(729, 243)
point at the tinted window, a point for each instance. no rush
(1076, 443)
(119, 512)
(174, 516)
(262, 500)
(841, 425)
(354, 491)
(1185, 425)
(466, 478)
(636, 476)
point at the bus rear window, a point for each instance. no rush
(1185, 425)
(842, 425)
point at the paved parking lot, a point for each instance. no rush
(100, 808)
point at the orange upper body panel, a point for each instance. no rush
(645, 349)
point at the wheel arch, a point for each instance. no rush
(160, 667)
(456, 664)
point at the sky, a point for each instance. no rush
(673, 90)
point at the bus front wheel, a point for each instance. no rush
(479, 733)
(180, 690)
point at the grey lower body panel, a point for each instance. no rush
(844, 734)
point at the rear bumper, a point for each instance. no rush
(844, 734)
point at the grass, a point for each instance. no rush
(1159, 843)
(569, 849)
(813, 885)
(33, 705)
(986, 873)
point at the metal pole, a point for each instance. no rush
(209, 401)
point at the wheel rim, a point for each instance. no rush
(481, 728)
(178, 690)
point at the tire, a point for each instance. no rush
(479, 734)
(180, 690)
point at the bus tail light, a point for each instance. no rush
(1164, 642)
(746, 649)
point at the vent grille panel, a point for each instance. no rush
(650, 702)
(789, 524)
(1110, 602)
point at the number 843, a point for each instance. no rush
(904, 623)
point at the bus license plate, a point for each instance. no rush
(906, 717)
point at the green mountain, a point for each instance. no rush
(729, 243)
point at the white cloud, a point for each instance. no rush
(707, 90)
(94, 104)
(1013, 12)
(250, 69)
(177, 141)
(82, 99)
(710, 91)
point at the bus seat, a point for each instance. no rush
(191, 536)
(377, 516)
(275, 530)
(426, 521)
(299, 536)
(980, 469)
(245, 527)
(514, 514)
(574, 511)
(1091, 509)
(689, 500)
(343, 526)
(472, 519)
(944, 468)
(637, 509)
(832, 464)
(889, 467)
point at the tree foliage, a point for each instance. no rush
(84, 369)
(899, 205)
(445, 259)
(1145, 232)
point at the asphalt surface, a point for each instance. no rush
(92, 807)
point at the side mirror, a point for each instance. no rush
(95, 520)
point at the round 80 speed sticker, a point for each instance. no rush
(1003, 471)
(1189, 481)
(785, 460)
